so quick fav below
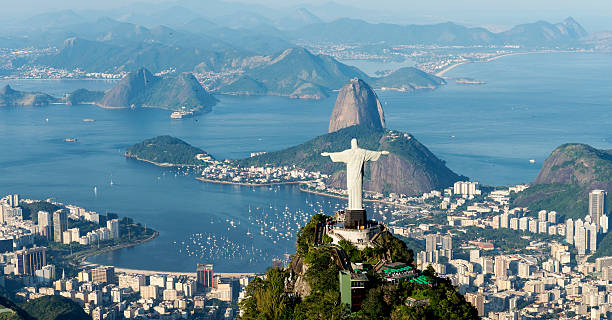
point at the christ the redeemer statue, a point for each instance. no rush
(354, 158)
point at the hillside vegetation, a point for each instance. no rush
(309, 289)
(566, 178)
(410, 168)
(55, 308)
(165, 150)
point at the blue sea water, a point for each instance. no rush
(529, 105)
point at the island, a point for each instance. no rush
(182, 93)
(167, 151)
(468, 81)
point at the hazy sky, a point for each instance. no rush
(594, 14)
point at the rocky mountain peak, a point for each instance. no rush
(357, 104)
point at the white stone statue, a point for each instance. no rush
(354, 158)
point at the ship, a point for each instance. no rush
(70, 139)
(181, 114)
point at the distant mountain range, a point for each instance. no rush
(346, 30)
(298, 73)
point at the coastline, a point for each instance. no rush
(449, 68)
(442, 72)
(175, 273)
(159, 164)
(344, 197)
(84, 263)
(246, 184)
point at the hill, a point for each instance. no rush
(11, 97)
(544, 33)
(410, 168)
(408, 79)
(165, 151)
(298, 73)
(82, 96)
(567, 176)
(357, 104)
(55, 308)
(541, 33)
(11, 311)
(310, 287)
(143, 89)
(116, 56)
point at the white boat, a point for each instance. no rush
(531, 161)
(181, 114)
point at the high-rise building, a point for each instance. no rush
(580, 237)
(569, 231)
(447, 242)
(45, 225)
(30, 260)
(552, 217)
(113, 226)
(466, 188)
(542, 227)
(431, 241)
(204, 276)
(149, 292)
(592, 237)
(103, 275)
(533, 225)
(501, 267)
(475, 256)
(158, 280)
(514, 223)
(597, 205)
(60, 224)
(542, 215)
(504, 221)
(524, 223)
(603, 223)
(487, 265)
(476, 300)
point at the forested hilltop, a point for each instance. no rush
(410, 168)
(310, 287)
(166, 150)
(43, 308)
(567, 176)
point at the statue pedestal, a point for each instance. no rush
(354, 219)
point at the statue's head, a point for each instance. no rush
(354, 143)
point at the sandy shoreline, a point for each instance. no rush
(346, 197)
(174, 273)
(453, 66)
(246, 184)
